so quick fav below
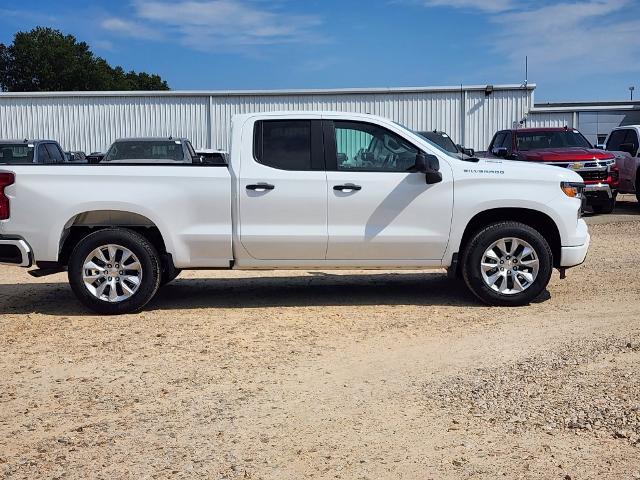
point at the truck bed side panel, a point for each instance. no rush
(190, 205)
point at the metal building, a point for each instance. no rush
(90, 121)
(594, 119)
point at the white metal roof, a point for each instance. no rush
(233, 93)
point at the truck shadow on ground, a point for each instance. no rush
(316, 289)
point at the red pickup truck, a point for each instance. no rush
(566, 148)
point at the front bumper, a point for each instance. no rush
(598, 190)
(15, 252)
(574, 256)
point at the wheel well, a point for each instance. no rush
(89, 222)
(533, 218)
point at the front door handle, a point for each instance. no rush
(347, 187)
(260, 187)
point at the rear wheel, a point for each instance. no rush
(507, 264)
(114, 271)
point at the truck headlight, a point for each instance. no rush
(573, 189)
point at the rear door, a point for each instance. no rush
(378, 211)
(283, 190)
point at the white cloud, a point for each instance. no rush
(569, 39)
(493, 6)
(130, 28)
(572, 39)
(213, 24)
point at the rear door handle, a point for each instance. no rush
(347, 187)
(260, 186)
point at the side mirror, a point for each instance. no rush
(469, 152)
(429, 165)
(629, 148)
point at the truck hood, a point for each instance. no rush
(564, 155)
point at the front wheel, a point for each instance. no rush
(114, 271)
(606, 207)
(507, 264)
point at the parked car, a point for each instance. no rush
(75, 157)
(212, 156)
(623, 142)
(302, 190)
(151, 150)
(95, 157)
(444, 141)
(15, 152)
(566, 148)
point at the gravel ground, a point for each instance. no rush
(353, 375)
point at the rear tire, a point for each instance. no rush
(525, 275)
(104, 285)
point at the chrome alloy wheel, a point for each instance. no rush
(509, 266)
(112, 273)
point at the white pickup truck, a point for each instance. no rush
(307, 190)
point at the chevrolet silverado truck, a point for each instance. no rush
(565, 148)
(302, 191)
(623, 143)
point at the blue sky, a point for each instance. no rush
(578, 49)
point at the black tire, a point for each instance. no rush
(606, 207)
(169, 273)
(136, 243)
(482, 240)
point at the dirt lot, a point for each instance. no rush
(329, 375)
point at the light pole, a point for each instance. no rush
(631, 89)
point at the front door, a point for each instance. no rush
(377, 210)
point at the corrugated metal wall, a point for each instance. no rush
(551, 119)
(91, 121)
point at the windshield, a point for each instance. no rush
(146, 150)
(551, 139)
(441, 139)
(16, 153)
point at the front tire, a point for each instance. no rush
(507, 264)
(604, 208)
(114, 271)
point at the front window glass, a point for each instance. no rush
(132, 150)
(18, 153)
(367, 147)
(616, 139)
(551, 139)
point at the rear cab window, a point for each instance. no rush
(289, 144)
(20, 153)
(149, 151)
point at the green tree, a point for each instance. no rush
(46, 60)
